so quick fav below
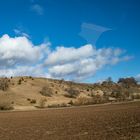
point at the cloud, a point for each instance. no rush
(38, 9)
(19, 57)
(64, 55)
(23, 71)
(19, 51)
(81, 63)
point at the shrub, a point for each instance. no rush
(83, 101)
(12, 102)
(87, 90)
(32, 101)
(13, 84)
(96, 99)
(63, 105)
(46, 91)
(55, 105)
(28, 99)
(19, 82)
(61, 81)
(71, 93)
(42, 102)
(136, 96)
(70, 102)
(4, 84)
(6, 105)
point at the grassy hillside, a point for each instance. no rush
(29, 92)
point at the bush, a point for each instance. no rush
(71, 93)
(136, 96)
(19, 82)
(96, 99)
(83, 101)
(32, 101)
(4, 84)
(116, 94)
(46, 91)
(63, 105)
(55, 105)
(61, 81)
(6, 105)
(28, 99)
(70, 102)
(42, 102)
(87, 90)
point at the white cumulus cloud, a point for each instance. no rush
(65, 55)
(19, 57)
(81, 63)
(19, 53)
(23, 71)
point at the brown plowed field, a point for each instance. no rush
(108, 122)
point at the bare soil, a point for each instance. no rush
(109, 122)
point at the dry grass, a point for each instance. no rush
(61, 93)
(6, 105)
(42, 103)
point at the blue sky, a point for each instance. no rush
(60, 23)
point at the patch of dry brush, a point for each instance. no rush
(4, 84)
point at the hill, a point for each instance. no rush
(31, 93)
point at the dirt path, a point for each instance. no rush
(109, 122)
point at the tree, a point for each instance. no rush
(127, 82)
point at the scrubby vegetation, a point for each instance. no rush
(20, 80)
(71, 93)
(96, 99)
(60, 93)
(55, 105)
(46, 91)
(33, 101)
(6, 105)
(122, 90)
(125, 89)
(4, 84)
(42, 103)
(30, 77)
